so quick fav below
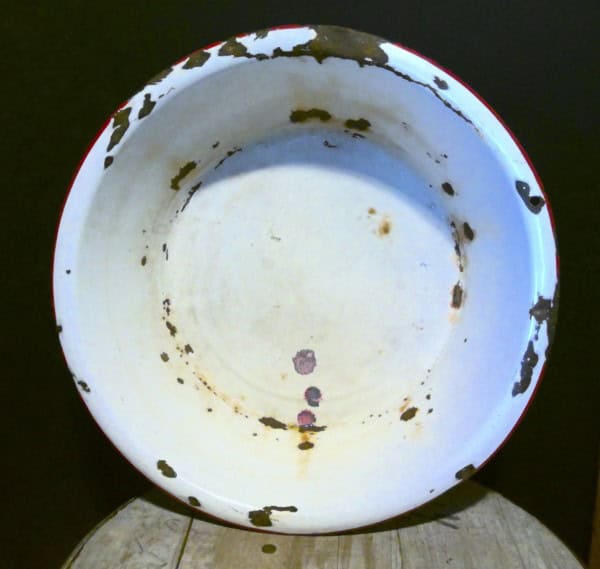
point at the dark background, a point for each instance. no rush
(67, 65)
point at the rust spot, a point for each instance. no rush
(530, 360)
(143, 261)
(465, 472)
(108, 161)
(372, 211)
(533, 203)
(447, 187)
(440, 83)
(468, 231)
(147, 106)
(300, 115)
(197, 59)
(120, 125)
(262, 518)
(188, 349)
(180, 380)
(268, 548)
(358, 124)
(312, 428)
(385, 227)
(215, 144)
(273, 423)
(84, 386)
(457, 295)
(409, 414)
(183, 172)
(305, 445)
(167, 305)
(166, 469)
(193, 501)
(164, 357)
(172, 328)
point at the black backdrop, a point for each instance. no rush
(66, 66)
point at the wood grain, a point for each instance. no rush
(469, 527)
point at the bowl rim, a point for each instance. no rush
(538, 376)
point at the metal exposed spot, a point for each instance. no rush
(409, 414)
(229, 154)
(188, 349)
(120, 125)
(84, 386)
(164, 357)
(193, 501)
(268, 548)
(530, 360)
(236, 49)
(143, 261)
(545, 310)
(328, 144)
(465, 472)
(533, 203)
(457, 296)
(300, 115)
(172, 328)
(180, 380)
(108, 161)
(160, 76)
(215, 144)
(304, 362)
(468, 231)
(183, 172)
(196, 59)
(273, 423)
(190, 195)
(262, 518)
(147, 106)
(68, 271)
(59, 328)
(447, 187)
(358, 124)
(166, 469)
(440, 83)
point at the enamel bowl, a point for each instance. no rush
(306, 280)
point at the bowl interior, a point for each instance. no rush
(305, 292)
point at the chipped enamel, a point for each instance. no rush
(303, 277)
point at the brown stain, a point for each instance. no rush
(120, 125)
(268, 548)
(301, 115)
(405, 404)
(385, 227)
(409, 414)
(306, 445)
(193, 501)
(166, 470)
(465, 472)
(457, 296)
(357, 124)
(183, 172)
(372, 211)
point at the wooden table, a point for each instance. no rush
(468, 527)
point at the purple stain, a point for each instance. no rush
(306, 418)
(313, 396)
(304, 362)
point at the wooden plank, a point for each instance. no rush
(142, 534)
(467, 528)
